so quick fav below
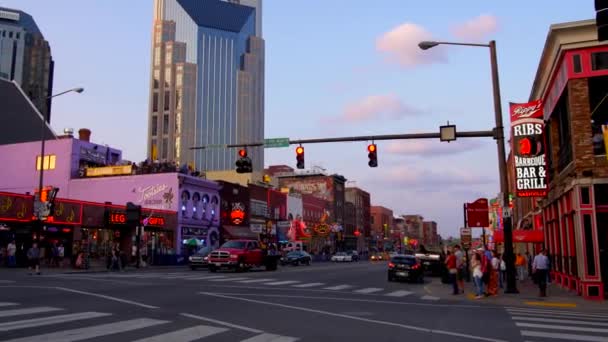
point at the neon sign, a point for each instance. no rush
(121, 218)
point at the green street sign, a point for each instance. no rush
(276, 142)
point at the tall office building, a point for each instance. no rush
(207, 82)
(25, 57)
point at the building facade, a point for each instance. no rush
(207, 82)
(572, 81)
(381, 221)
(362, 201)
(25, 57)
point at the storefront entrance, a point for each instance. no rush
(602, 238)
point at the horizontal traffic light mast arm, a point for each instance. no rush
(435, 135)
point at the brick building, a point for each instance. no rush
(361, 234)
(572, 81)
(381, 222)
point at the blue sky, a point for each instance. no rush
(333, 68)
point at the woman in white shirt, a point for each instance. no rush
(477, 275)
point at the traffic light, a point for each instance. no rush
(373, 155)
(300, 157)
(243, 164)
(133, 214)
(601, 19)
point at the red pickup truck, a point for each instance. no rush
(241, 255)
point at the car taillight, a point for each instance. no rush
(391, 265)
(415, 267)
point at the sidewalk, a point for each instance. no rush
(528, 296)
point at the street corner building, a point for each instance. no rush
(207, 82)
(94, 184)
(563, 196)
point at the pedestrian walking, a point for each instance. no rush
(503, 271)
(60, 255)
(450, 263)
(11, 252)
(33, 255)
(477, 275)
(520, 264)
(540, 267)
(461, 267)
(494, 275)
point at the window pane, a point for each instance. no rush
(599, 61)
(52, 160)
(589, 250)
(157, 55)
(156, 78)
(576, 63)
(167, 100)
(585, 195)
(154, 125)
(165, 148)
(166, 124)
(155, 102)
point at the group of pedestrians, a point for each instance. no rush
(53, 255)
(489, 271)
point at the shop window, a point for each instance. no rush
(49, 162)
(601, 194)
(196, 199)
(184, 202)
(599, 60)
(585, 195)
(589, 250)
(598, 102)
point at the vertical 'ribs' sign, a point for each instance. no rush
(528, 146)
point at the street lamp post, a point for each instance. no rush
(43, 144)
(509, 256)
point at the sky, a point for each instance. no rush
(333, 68)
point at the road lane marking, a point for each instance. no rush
(201, 278)
(27, 311)
(561, 327)
(557, 305)
(308, 285)
(116, 299)
(284, 282)
(50, 320)
(569, 337)
(369, 290)
(6, 281)
(338, 287)
(93, 331)
(399, 293)
(563, 321)
(256, 280)
(270, 338)
(231, 279)
(355, 318)
(564, 314)
(185, 335)
(2, 304)
(429, 298)
(212, 277)
(226, 324)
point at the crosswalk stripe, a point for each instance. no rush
(338, 287)
(569, 337)
(230, 279)
(270, 338)
(213, 277)
(284, 282)
(399, 293)
(201, 277)
(17, 312)
(429, 298)
(560, 327)
(369, 290)
(93, 331)
(308, 285)
(256, 280)
(7, 304)
(185, 335)
(564, 321)
(544, 311)
(38, 322)
(560, 314)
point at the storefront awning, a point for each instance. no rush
(523, 236)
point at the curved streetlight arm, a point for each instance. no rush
(76, 90)
(425, 45)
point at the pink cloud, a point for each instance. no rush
(377, 107)
(431, 148)
(476, 29)
(400, 45)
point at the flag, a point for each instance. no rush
(605, 132)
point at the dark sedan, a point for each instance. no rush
(405, 267)
(200, 258)
(296, 258)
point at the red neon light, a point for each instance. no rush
(243, 153)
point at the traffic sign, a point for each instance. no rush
(465, 237)
(276, 142)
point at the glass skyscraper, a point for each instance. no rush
(207, 84)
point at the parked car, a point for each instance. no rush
(241, 255)
(341, 257)
(200, 258)
(405, 267)
(354, 255)
(296, 258)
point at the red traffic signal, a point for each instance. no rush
(371, 148)
(299, 150)
(243, 153)
(300, 157)
(373, 155)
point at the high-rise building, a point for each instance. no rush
(207, 82)
(25, 57)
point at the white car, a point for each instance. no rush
(341, 257)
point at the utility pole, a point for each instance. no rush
(134, 221)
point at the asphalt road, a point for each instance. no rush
(322, 302)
